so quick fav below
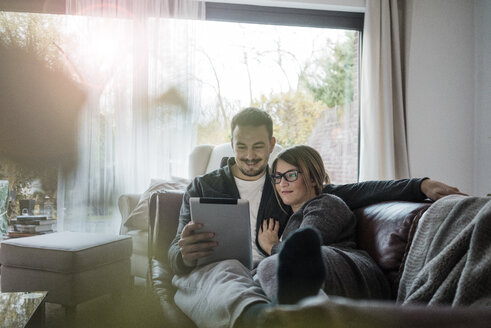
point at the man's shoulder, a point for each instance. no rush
(220, 174)
(213, 176)
(217, 183)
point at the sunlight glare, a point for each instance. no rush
(104, 47)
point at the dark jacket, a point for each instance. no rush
(221, 184)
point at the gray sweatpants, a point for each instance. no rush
(216, 294)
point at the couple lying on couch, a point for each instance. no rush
(316, 228)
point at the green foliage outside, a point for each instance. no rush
(294, 115)
(213, 132)
(332, 77)
(36, 34)
(325, 82)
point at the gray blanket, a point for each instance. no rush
(449, 261)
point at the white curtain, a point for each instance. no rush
(136, 59)
(383, 148)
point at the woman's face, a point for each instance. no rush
(295, 193)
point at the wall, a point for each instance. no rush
(439, 85)
(482, 150)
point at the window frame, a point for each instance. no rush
(254, 14)
(232, 12)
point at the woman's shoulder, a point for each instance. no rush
(325, 200)
(328, 198)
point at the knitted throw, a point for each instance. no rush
(449, 261)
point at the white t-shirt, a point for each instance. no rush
(252, 191)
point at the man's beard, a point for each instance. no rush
(251, 172)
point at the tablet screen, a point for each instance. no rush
(229, 219)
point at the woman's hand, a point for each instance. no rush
(268, 234)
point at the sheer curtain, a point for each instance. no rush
(383, 147)
(136, 59)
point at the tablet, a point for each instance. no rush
(230, 221)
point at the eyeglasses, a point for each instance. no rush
(290, 176)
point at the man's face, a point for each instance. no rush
(252, 148)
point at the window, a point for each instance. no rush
(301, 66)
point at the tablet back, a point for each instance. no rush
(230, 221)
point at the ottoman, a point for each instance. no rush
(73, 267)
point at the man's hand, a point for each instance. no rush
(435, 190)
(194, 246)
(268, 235)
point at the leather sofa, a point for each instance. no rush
(385, 231)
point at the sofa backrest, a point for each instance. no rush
(206, 158)
(384, 231)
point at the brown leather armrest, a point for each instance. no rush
(161, 282)
(384, 231)
(163, 221)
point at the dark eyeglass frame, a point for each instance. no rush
(277, 177)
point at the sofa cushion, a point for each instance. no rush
(138, 219)
(198, 160)
(65, 252)
(140, 241)
(126, 205)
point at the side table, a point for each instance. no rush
(22, 309)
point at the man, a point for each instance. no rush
(200, 290)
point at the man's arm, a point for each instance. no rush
(188, 246)
(362, 194)
(435, 190)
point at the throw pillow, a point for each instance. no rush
(138, 218)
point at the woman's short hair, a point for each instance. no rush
(309, 163)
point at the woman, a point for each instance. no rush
(319, 247)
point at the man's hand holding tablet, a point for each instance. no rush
(222, 222)
(195, 245)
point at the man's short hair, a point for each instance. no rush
(253, 116)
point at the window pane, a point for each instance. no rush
(306, 78)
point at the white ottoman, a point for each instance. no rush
(73, 267)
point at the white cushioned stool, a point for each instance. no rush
(73, 267)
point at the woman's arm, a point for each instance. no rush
(331, 217)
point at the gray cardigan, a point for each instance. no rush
(350, 272)
(330, 216)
